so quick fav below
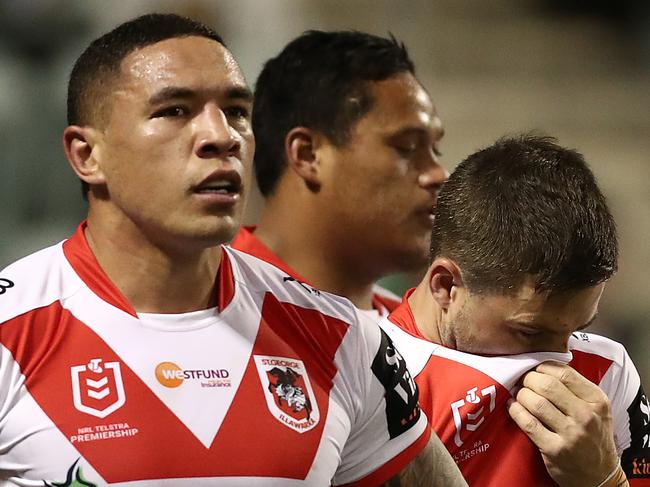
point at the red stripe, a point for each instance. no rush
(225, 282)
(384, 304)
(246, 241)
(403, 317)
(84, 263)
(639, 482)
(591, 365)
(395, 465)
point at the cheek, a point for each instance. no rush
(477, 333)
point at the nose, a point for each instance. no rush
(433, 174)
(214, 135)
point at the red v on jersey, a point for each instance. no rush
(270, 385)
(52, 338)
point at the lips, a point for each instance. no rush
(221, 181)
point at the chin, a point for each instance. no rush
(213, 235)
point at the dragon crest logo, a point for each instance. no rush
(288, 392)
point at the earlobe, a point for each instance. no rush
(79, 146)
(301, 157)
(444, 279)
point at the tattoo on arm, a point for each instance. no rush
(432, 467)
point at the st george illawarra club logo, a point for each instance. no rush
(288, 392)
(97, 388)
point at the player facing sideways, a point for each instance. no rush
(347, 160)
(140, 351)
(522, 245)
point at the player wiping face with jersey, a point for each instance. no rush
(350, 172)
(522, 245)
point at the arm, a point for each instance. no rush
(432, 467)
(570, 420)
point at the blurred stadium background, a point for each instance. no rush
(575, 69)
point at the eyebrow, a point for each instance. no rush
(174, 92)
(417, 130)
(542, 329)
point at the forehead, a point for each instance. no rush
(562, 310)
(193, 62)
(401, 101)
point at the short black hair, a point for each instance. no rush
(103, 57)
(320, 80)
(525, 206)
(98, 66)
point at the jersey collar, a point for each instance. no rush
(84, 263)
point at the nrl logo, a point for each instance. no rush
(470, 412)
(97, 389)
(288, 392)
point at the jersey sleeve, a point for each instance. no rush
(388, 429)
(631, 420)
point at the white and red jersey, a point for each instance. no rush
(383, 300)
(280, 385)
(465, 398)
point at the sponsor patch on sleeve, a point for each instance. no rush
(636, 459)
(5, 285)
(402, 409)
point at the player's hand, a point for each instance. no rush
(569, 419)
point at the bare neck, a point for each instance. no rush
(304, 241)
(152, 279)
(427, 313)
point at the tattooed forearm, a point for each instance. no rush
(432, 467)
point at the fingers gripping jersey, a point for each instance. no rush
(280, 385)
(465, 398)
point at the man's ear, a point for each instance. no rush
(444, 280)
(300, 146)
(79, 144)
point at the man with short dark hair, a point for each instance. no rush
(348, 160)
(347, 141)
(141, 351)
(522, 245)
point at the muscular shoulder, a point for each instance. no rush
(606, 363)
(599, 346)
(416, 351)
(35, 281)
(259, 277)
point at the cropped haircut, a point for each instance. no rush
(320, 80)
(525, 206)
(98, 66)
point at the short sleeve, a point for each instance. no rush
(631, 422)
(388, 429)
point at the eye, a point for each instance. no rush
(236, 112)
(528, 332)
(406, 150)
(171, 112)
